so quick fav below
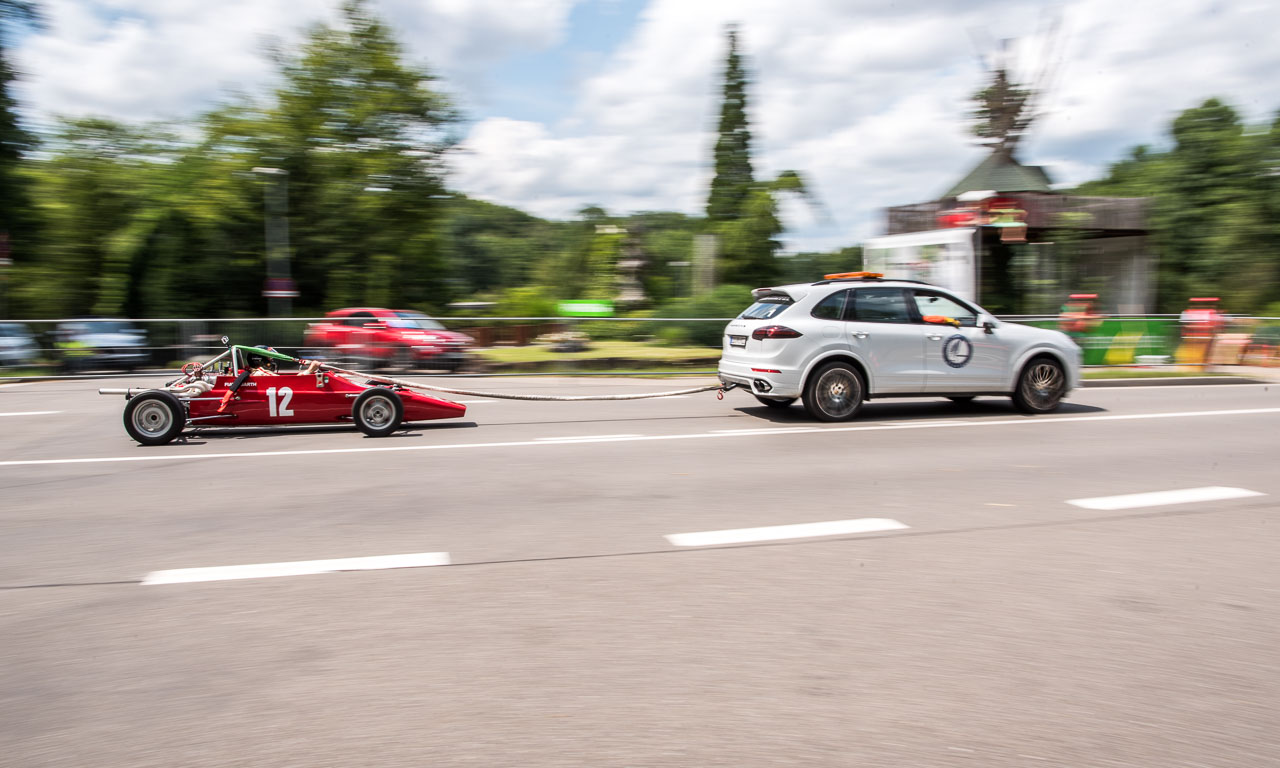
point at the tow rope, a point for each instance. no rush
(504, 396)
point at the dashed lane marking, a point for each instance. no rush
(1161, 498)
(958, 424)
(295, 568)
(29, 413)
(776, 532)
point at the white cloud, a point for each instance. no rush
(164, 59)
(866, 99)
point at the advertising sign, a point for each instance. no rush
(944, 257)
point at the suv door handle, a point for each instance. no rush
(935, 337)
(860, 334)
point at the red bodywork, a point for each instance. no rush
(298, 398)
(389, 335)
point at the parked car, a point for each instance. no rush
(17, 345)
(94, 344)
(393, 338)
(855, 336)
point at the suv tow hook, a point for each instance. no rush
(726, 388)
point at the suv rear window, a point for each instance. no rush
(767, 308)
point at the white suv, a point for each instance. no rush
(846, 339)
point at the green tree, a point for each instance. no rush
(731, 185)
(362, 135)
(15, 216)
(1213, 215)
(748, 245)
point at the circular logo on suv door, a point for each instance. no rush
(957, 351)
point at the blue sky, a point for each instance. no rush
(537, 85)
(613, 102)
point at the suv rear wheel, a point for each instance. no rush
(834, 392)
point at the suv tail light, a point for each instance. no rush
(775, 332)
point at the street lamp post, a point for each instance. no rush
(279, 290)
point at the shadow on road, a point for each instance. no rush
(907, 410)
(411, 429)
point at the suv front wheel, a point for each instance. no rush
(834, 392)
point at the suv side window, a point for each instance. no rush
(878, 305)
(832, 307)
(930, 303)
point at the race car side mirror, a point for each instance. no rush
(226, 342)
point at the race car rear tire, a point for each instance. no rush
(1040, 386)
(775, 403)
(154, 418)
(834, 392)
(377, 412)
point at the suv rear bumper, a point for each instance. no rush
(784, 384)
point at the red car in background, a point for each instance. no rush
(388, 338)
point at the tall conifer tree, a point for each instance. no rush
(733, 178)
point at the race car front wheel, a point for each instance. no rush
(834, 392)
(377, 411)
(154, 418)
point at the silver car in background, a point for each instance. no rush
(17, 346)
(838, 342)
(93, 344)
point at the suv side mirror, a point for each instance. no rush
(988, 326)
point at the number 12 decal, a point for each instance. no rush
(281, 408)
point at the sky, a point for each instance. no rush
(570, 103)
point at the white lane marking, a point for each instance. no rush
(764, 430)
(587, 438)
(1161, 498)
(1024, 421)
(296, 568)
(774, 532)
(475, 402)
(1182, 386)
(29, 413)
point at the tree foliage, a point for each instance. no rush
(731, 185)
(1215, 203)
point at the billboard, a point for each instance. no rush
(944, 257)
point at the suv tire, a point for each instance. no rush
(834, 392)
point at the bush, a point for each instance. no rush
(724, 302)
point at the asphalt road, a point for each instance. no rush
(981, 619)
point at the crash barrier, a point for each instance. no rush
(508, 346)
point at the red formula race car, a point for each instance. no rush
(244, 387)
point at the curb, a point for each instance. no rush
(1171, 381)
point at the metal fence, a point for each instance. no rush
(517, 345)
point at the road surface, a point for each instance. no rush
(930, 584)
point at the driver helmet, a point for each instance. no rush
(253, 361)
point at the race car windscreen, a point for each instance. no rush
(414, 321)
(767, 308)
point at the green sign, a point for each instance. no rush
(585, 308)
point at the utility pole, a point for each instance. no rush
(279, 289)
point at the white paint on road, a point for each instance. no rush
(764, 430)
(166, 454)
(1163, 498)
(29, 413)
(776, 532)
(586, 438)
(296, 568)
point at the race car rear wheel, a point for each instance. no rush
(774, 402)
(154, 418)
(377, 412)
(1040, 386)
(834, 392)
